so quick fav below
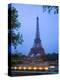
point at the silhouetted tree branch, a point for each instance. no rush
(49, 9)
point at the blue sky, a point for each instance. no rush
(48, 26)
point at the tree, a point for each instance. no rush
(50, 8)
(52, 57)
(14, 36)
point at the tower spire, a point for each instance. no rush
(37, 41)
(37, 28)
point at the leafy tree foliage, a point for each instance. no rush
(14, 35)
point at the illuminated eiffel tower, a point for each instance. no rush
(37, 49)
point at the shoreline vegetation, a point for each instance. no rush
(20, 58)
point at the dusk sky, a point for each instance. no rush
(48, 27)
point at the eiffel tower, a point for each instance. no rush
(37, 49)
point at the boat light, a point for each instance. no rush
(52, 66)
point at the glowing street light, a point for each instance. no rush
(24, 68)
(29, 68)
(46, 68)
(40, 68)
(19, 67)
(15, 67)
(35, 68)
